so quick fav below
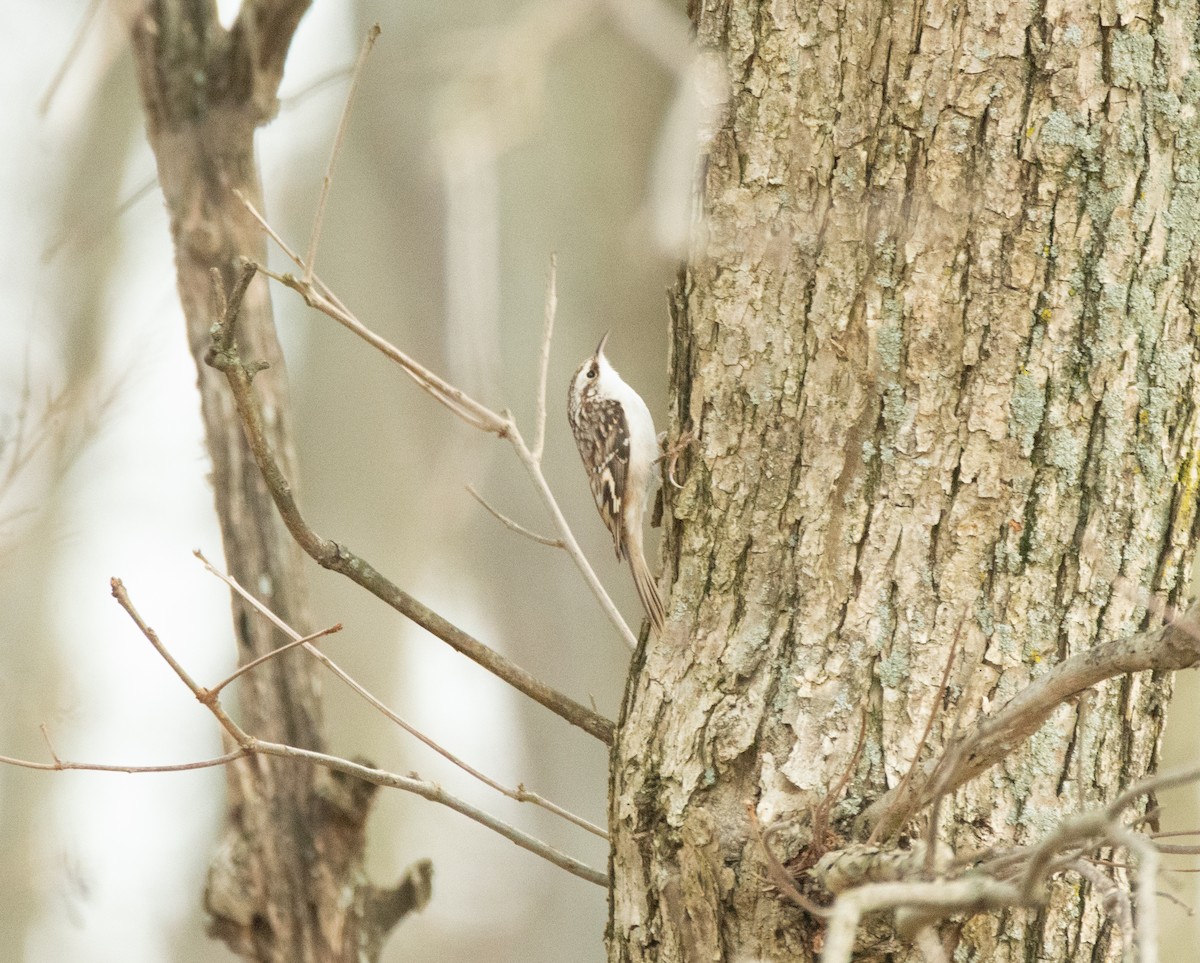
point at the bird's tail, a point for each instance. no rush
(647, 589)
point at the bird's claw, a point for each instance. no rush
(672, 453)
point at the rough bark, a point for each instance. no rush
(287, 883)
(935, 341)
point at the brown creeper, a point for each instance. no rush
(615, 435)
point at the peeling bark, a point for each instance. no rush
(935, 340)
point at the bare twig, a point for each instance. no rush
(1169, 849)
(930, 945)
(938, 697)
(338, 558)
(514, 526)
(268, 230)
(243, 669)
(343, 123)
(938, 899)
(775, 869)
(1159, 783)
(318, 296)
(1174, 834)
(1146, 931)
(49, 744)
(62, 765)
(85, 23)
(214, 706)
(434, 793)
(568, 537)
(1114, 899)
(821, 835)
(539, 435)
(1018, 878)
(994, 737)
(520, 794)
(1172, 898)
(412, 783)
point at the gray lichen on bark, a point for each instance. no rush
(936, 341)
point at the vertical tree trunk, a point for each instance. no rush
(935, 340)
(288, 882)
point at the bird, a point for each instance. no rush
(615, 435)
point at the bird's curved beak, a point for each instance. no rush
(603, 342)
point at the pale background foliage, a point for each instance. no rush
(473, 153)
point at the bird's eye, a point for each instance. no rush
(592, 371)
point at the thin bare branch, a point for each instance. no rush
(214, 706)
(568, 538)
(1168, 849)
(81, 32)
(49, 744)
(930, 945)
(458, 401)
(514, 526)
(338, 558)
(775, 869)
(61, 765)
(412, 783)
(268, 230)
(1146, 931)
(939, 899)
(869, 880)
(419, 787)
(938, 697)
(122, 596)
(1114, 898)
(1174, 834)
(318, 296)
(520, 794)
(339, 138)
(993, 737)
(551, 309)
(434, 793)
(243, 669)
(822, 836)
(1158, 783)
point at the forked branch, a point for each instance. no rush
(1013, 879)
(520, 794)
(338, 558)
(992, 738)
(317, 295)
(249, 745)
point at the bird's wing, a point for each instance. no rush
(605, 452)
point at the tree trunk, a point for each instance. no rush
(288, 882)
(935, 342)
